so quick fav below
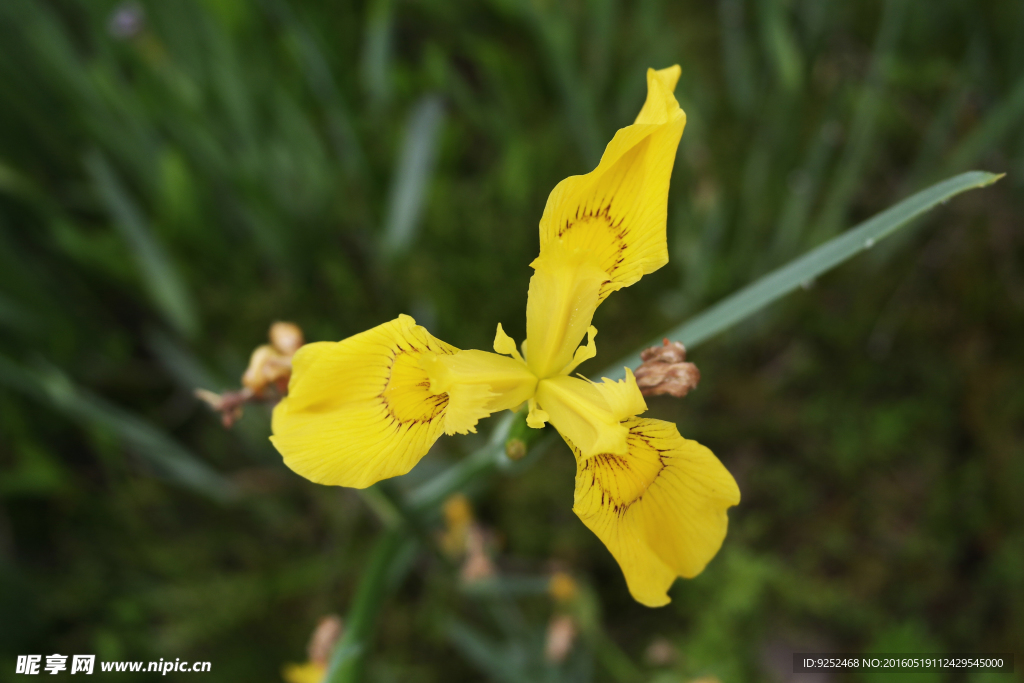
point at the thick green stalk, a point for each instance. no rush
(388, 564)
(393, 552)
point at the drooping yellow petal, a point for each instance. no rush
(360, 410)
(616, 214)
(660, 509)
(478, 383)
(589, 414)
(563, 297)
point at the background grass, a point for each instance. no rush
(176, 175)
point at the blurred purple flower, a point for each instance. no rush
(127, 20)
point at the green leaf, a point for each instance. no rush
(156, 269)
(412, 174)
(170, 459)
(805, 269)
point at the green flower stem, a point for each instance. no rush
(389, 562)
(394, 551)
(484, 461)
(616, 662)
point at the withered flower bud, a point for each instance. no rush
(478, 565)
(286, 338)
(665, 371)
(327, 633)
(229, 404)
(661, 652)
(269, 366)
(560, 638)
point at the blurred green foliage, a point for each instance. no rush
(176, 175)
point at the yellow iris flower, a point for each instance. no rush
(369, 407)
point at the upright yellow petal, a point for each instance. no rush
(660, 509)
(563, 296)
(590, 415)
(361, 410)
(616, 214)
(661, 104)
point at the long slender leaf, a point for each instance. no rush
(157, 271)
(377, 50)
(774, 285)
(170, 459)
(412, 177)
(390, 560)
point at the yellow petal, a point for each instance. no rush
(624, 397)
(660, 509)
(661, 104)
(563, 297)
(536, 418)
(310, 672)
(616, 214)
(478, 383)
(361, 410)
(467, 405)
(583, 353)
(582, 412)
(505, 345)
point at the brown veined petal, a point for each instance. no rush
(360, 410)
(616, 214)
(660, 509)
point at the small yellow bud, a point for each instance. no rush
(457, 510)
(562, 587)
(515, 449)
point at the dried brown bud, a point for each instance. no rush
(478, 564)
(664, 371)
(560, 638)
(661, 652)
(269, 366)
(286, 337)
(668, 352)
(325, 636)
(266, 366)
(229, 404)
